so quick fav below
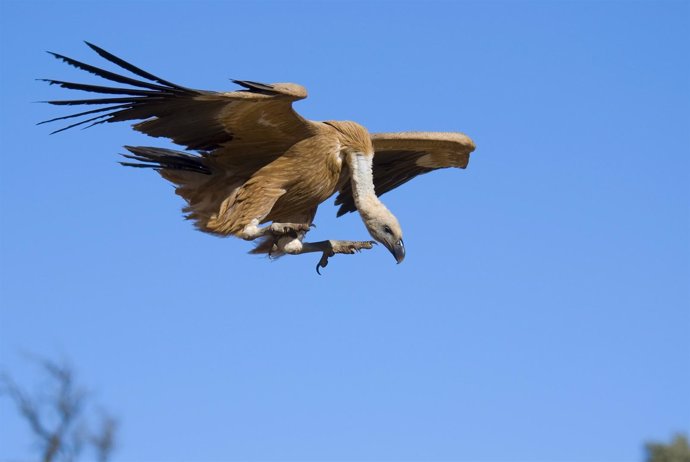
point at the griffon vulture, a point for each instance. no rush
(255, 160)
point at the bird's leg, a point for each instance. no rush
(279, 229)
(253, 231)
(330, 248)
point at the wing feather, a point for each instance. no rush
(257, 118)
(399, 157)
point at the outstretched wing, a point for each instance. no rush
(399, 157)
(260, 116)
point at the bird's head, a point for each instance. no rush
(384, 227)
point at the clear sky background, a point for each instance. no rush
(542, 313)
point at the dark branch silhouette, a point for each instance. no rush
(59, 420)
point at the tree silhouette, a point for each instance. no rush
(677, 451)
(58, 417)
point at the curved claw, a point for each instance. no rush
(273, 250)
(330, 248)
(323, 262)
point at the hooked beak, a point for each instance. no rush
(398, 251)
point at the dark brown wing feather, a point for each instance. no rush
(197, 119)
(399, 157)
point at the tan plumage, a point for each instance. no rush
(258, 161)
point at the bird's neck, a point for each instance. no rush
(362, 177)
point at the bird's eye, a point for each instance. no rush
(387, 229)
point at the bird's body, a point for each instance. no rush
(283, 190)
(258, 161)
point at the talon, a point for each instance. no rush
(274, 249)
(331, 248)
(322, 263)
(288, 229)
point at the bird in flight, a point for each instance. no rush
(253, 167)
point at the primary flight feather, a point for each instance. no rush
(255, 160)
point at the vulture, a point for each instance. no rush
(254, 168)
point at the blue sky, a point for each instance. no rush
(541, 314)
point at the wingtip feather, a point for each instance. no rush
(93, 47)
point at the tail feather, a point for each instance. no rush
(193, 178)
(161, 158)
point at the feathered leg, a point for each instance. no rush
(253, 231)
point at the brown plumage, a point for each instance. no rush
(257, 161)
